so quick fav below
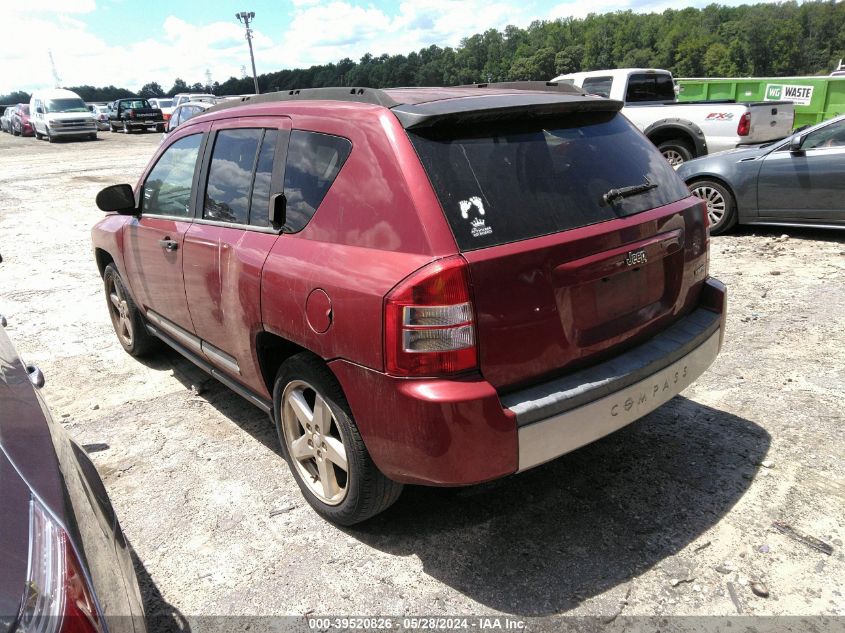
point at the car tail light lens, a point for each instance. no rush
(429, 322)
(58, 598)
(131, 114)
(166, 116)
(744, 125)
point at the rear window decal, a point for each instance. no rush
(478, 224)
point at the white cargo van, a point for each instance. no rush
(61, 113)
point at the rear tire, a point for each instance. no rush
(38, 135)
(676, 151)
(112, 128)
(127, 129)
(319, 437)
(721, 204)
(126, 319)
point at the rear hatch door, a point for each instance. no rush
(565, 271)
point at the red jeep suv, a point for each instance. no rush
(426, 285)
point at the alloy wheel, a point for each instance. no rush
(119, 311)
(716, 204)
(673, 156)
(314, 442)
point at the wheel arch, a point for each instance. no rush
(103, 258)
(272, 350)
(668, 129)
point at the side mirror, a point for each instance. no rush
(278, 210)
(796, 142)
(39, 110)
(119, 198)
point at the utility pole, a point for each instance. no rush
(56, 77)
(244, 18)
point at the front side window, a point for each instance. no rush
(167, 190)
(832, 135)
(314, 161)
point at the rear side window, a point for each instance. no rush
(517, 181)
(598, 86)
(241, 159)
(313, 162)
(650, 87)
(167, 190)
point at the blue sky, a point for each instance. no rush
(131, 42)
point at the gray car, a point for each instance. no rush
(799, 181)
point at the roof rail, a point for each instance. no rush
(543, 86)
(359, 95)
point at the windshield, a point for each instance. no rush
(515, 181)
(66, 105)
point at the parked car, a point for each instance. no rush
(184, 97)
(101, 116)
(436, 286)
(683, 131)
(795, 182)
(183, 113)
(165, 105)
(60, 113)
(134, 114)
(66, 565)
(6, 120)
(20, 124)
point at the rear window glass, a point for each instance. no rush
(137, 104)
(230, 175)
(313, 163)
(650, 87)
(519, 181)
(598, 86)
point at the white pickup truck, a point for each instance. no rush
(683, 131)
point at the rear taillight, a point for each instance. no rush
(744, 125)
(131, 114)
(57, 598)
(166, 117)
(429, 325)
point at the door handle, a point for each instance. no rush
(168, 244)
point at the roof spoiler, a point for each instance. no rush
(498, 107)
(537, 86)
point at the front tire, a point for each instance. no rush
(323, 447)
(50, 137)
(126, 319)
(676, 151)
(721, 204)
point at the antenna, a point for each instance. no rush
(56, 77)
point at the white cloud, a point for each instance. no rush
(329, 32)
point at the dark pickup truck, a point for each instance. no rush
(134, 114)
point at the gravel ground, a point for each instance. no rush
(659, 519)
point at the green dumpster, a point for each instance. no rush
(816, 98)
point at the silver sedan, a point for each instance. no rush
(799, 181)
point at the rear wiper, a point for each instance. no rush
(625, 192)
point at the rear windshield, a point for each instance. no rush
(646, 87)
(524, 180)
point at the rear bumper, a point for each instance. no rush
(461, 431)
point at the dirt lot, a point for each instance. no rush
(658, 519)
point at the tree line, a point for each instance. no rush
(716, 41)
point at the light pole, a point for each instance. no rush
(244, 17)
